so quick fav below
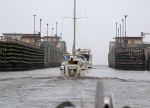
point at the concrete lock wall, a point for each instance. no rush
(52, 54)
(16, 55)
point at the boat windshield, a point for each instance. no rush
(68, 57)
(80, 56)
(86, 56)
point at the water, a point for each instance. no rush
(46, 89)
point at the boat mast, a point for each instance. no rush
(74, 40)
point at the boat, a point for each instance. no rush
(101, 101)
(87, 54)
(73, 65)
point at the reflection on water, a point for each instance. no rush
(106, 72)
(46, 89)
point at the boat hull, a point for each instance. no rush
(89, 64)
(72, 70)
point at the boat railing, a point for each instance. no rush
(10, 39)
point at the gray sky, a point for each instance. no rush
(98, 29)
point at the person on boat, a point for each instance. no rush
(71, 61)
(78, 49)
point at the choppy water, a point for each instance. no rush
(46, 89)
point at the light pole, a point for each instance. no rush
(61, 36)
(47, 33)
(40, 30)
(47, 48)
(56, 29)
(125, 30)
(120, 34)
(52, 35)
(120, 30)
(125, 24)
(56, 33)
(122, 27)
(116, 33)
(34, 24)
(52, 31)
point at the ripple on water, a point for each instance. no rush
(45, 88)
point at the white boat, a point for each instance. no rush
(87, 54)
(73, 64)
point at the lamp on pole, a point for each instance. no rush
(120, 30)
(125, 24)
(52, 31)
(125, 30)
(116, 33)
(120, 34)
(56, 33)
(122, 27)
(47, 33)
(40, 30)
(61, 36)
(34, 24)
(52, 35)
(56, 29)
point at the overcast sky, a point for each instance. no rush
(93, 32)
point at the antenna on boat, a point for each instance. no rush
(74, 40)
